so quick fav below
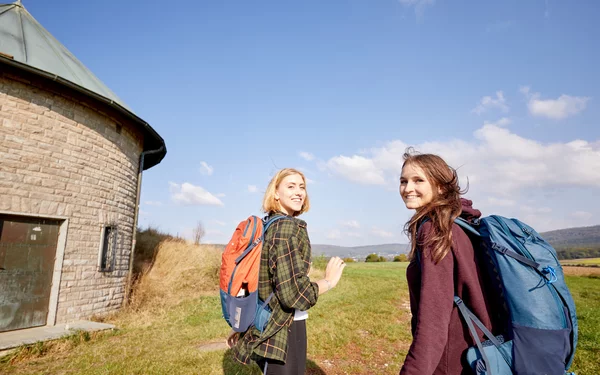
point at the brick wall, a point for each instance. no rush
(59, 157)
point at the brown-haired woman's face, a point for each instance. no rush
(415, 189)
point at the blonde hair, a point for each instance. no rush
(270, 204)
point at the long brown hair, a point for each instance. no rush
(441, 211)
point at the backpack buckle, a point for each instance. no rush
(500, 249)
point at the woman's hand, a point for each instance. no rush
(334, 270)
(233, 339)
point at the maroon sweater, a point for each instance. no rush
(440, 335)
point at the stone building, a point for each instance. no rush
(71, 161)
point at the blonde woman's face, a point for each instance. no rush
(291, 194)
(416, 191)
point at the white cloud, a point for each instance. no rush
(219, 222)
(419, 5)
(497, 162)
(536, 210)
(501, 202)
(307, 156)
(351, 224)
(556, 109)
(206, 169)
(353, 234)
(334, 234)
(488, 102)
(153, 203)
(504, 121)
(220, 195)
(309, 181)
(356, 168)
(188, 194)
(252, 188)
(381, 233)
(582, 215)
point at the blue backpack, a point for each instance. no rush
(541, 326)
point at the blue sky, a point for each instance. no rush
(506, 91)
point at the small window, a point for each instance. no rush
(108, 249)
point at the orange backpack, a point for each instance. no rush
(240, 265)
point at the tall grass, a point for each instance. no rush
(180, 271)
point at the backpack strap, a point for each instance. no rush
(518, 257)
(468, 227)
(470, 318)
(266, 225)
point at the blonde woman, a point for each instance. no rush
(285, 262)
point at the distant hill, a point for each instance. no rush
(563, 240)
(573, 237)
(360, 252)
(575, 243)
(569, 243)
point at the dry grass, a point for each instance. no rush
(180, 271)
(581, 271)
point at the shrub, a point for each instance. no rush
(372, 258)
(401, 258)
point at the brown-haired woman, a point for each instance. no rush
(285, 263)
(442, 265)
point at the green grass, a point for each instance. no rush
(587, 262)
(586, 293)
(361, 327)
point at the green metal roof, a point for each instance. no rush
(26, 44)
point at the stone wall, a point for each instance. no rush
(60, 157)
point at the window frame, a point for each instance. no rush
(107, 255)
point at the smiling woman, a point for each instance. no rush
(439, 251)
(283, 280)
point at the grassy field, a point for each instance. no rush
(587, 262)
(361, 327)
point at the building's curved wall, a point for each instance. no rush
(59, 157)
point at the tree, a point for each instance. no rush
(198, 232)
(401, 258)
(348, 260)
(382, 259)
(372, 258)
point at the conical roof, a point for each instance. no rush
(22, 37)
(24, 41)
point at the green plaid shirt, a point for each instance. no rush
(284, 265)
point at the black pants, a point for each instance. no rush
(295, 363)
